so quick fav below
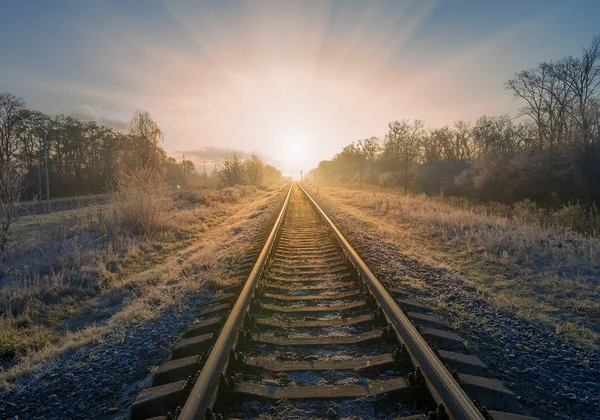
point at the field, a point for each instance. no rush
(72, 277)
(516, 265)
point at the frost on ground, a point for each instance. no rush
(503, 286)
(89, 377)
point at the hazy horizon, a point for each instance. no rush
(291, 82)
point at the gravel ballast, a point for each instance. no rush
(552, 378)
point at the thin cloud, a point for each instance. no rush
(213, 153)
(90, 113)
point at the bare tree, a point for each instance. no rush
(254, 169)
(232, 172)
(560, 97)
(548, 102)
(11, 188)
(434, 144)
(147, 131)
(465, 144)
(499, 136)
(369, 148)
(403, 143)
(581, 76)
(12, 118)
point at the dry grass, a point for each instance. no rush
(546, 273)
(76, 274)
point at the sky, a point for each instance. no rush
(292, 81)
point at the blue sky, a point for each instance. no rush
(295, 81)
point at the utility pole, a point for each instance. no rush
(301, 176)
(47, 177)
(184, 181)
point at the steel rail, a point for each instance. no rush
(203, 393)
(439, 380)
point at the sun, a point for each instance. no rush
(295, 151)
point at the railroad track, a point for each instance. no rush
(313, 334)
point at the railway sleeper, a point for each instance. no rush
(398, 387)
(202, 327)
(192, 346)
(321, 341)
(305, 249)
(321, 258)
(232, 288)
(303, 243)
(339, 285)
(365, 364)
(325, 251)
(223, 297)
(291, 257)
(294, 267)
(178, 369)
(500, 415)
(160, 400)
(223, 307)
(313, 309)
(463, 363)
(412, 305)
(429, 321)
(490, 393)
(310, 322)
(288, 298)
(293, 279)
(308, 272)
(441, 339)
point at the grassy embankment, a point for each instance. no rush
(69, 277)
(518, 263)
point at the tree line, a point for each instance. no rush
(84, 157)
(236, 171)
(550, 152)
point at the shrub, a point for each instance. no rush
(11, 188)
(572, 217)
(139, 204)
(526, 211)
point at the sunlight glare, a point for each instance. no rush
(295, 151)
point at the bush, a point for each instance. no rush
(11, 188)
(573, 217)
(526, 211)
(139, 206)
